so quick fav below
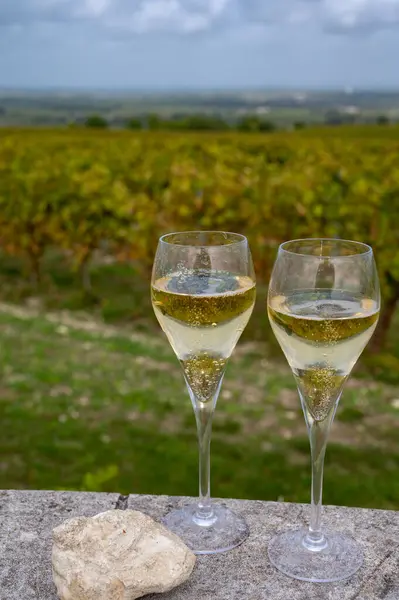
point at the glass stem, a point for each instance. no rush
(318, 436)
(204, 415)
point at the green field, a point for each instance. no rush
(92, 398)
(91, 395)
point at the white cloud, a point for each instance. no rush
(95, 8)
(188, 16)
(184, 16)
(333, 15)
(349, 15)
(168, 15)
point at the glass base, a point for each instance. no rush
(221, 531)
(337, 558)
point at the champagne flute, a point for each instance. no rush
(203, 293)
(323, 306)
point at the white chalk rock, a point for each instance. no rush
(117, 555)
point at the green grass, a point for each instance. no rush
(91, 397)
(104, 409)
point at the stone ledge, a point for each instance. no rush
(27, 519)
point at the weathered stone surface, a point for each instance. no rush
(26, 523)
(117, 555)
(27, 520)
(246, 573)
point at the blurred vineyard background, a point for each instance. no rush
(91, 395)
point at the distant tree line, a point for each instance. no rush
(202, 122)
(195, 122)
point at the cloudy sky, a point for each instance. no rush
(199, 43)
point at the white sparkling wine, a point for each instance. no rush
(322, 333)
(203, 314)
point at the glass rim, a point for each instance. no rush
(240, 238)
(367, 249)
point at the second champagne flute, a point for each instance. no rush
(323, 305)
(203, 294)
